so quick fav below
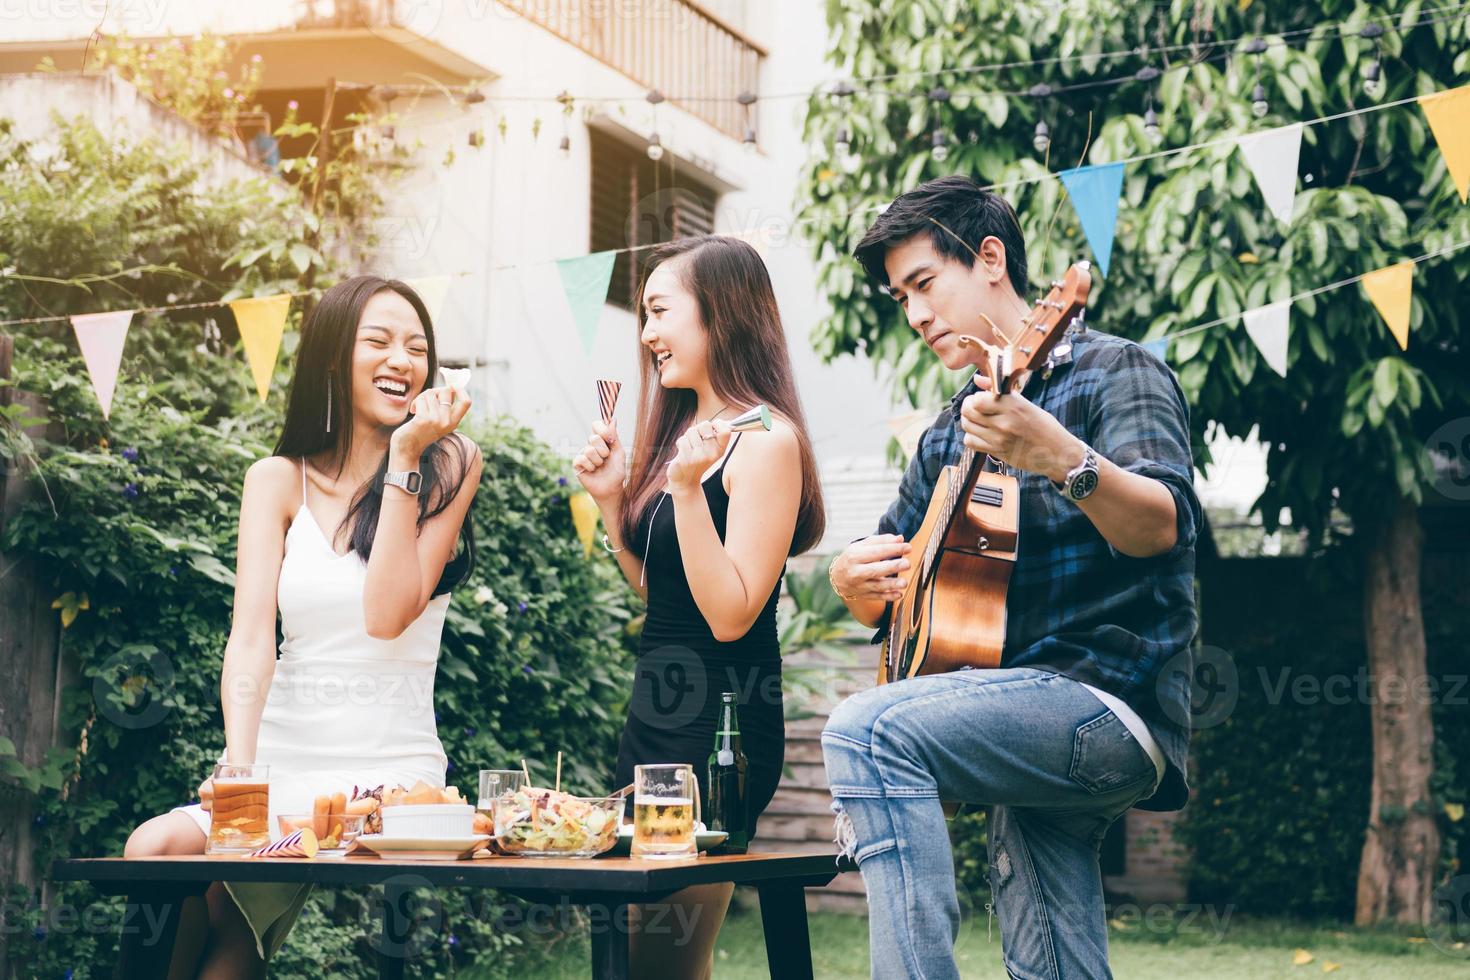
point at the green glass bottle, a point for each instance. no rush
(727, 766)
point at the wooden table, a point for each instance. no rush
(156, 888)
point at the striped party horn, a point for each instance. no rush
(757, 418)
(297, 844)
(607, 398)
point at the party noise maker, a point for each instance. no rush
(757, 418)
(607, 398)
(297, 844)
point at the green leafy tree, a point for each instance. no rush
(1346, 427)
(132, 525)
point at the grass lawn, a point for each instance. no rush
(1197, 949)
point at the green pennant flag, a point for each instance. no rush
(585, 280)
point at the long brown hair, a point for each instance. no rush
(748, 365)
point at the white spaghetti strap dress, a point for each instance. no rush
(343, 709)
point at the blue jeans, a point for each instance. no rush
(1056, 766)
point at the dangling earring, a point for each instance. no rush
(329, 401)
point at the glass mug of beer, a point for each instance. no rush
(665, 807)
(239, 819)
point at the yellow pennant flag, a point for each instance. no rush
(1448, 113)
(908, 428)
(432, 290)
(1392, 290)
(584, 516)
(262, 321)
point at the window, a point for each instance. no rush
(638, 202)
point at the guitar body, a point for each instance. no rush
(957, 617)
(952, 613)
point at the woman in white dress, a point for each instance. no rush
(358, 558)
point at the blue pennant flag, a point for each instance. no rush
(1158, 348)
(1095, 192)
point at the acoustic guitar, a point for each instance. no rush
(953, 611)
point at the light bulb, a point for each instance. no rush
(1373, 79)
(939, 148)
(1259, 105)
(1151, 125)
(655, 148)
(850, 162)
(1042, 138)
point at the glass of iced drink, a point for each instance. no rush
(240, 816)
(665, 807)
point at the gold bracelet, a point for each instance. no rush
(833, 582)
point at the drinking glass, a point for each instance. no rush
(239, 818)
(495, 784)
(665, 807)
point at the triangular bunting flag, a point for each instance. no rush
(1273, 156)
(1095, 192)
(1268, 326)
(584, 518)
(262, 321)
(432, 290)
(1448, 113)
(101, 337)
(1158, 348)
(1392, 290)
(908, 428)
(585, 280)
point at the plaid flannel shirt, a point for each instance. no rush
(1076, 605)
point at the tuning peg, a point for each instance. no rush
(1060, 354)
(1078, 326)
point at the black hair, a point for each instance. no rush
(319, 418)
(957, 214)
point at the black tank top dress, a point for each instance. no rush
(682, 669)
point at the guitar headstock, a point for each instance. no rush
(1043, 328)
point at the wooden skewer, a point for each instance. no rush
(558, 771)
(527, 771)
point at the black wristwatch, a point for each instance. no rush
(1082, 480)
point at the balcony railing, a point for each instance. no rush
(695, 59)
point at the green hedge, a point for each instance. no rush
(535, 659)
(1282, 785)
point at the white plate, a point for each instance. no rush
(424, 848)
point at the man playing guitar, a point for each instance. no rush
(1087, 714)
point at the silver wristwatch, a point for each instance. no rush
(407, 480)
(1082, 480)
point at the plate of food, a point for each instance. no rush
(418, 848)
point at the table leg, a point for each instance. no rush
(394, 937)
(609, 940)
(783, 917)
(149, 927)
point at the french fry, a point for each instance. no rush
(320, 808)
(362, 807)
(339, 803)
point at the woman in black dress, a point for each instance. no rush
(702, 524)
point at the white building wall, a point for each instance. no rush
(518, 202)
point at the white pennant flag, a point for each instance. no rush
(1272, 156)
(1268, 326)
